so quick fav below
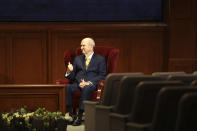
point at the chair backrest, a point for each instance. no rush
(110, 54)
(127, 91)
(187, 79)
(69, 56)
(166, 74)
(187, 113)
(145, 100)
(166, 107)
(111, 87)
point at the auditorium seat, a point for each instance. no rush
(187, 79)
(143, 106)
(125, 95)
(110, 93)
(166, 74)
(127, 90)
(187, 113)
(165, 113)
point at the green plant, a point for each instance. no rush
(39, 120)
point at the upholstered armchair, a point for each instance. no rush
(111, 55)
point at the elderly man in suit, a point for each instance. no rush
(86, 71)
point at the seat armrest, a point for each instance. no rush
(103, 107)
(90, 102)
(119, 116)
(89, 107)
(102, 117)
(100, 89)
(118, 121)
(138, 127)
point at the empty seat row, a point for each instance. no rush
(108, 100)
(130, 102)
(144, 103)
(165, 114)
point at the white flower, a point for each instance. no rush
(9, 119)
(4, 116)
(16, 114)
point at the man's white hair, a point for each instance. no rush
(90, 41)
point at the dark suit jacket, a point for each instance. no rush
(96, 70)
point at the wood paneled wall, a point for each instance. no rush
(32, 52)
(183, 32)
(23, 57)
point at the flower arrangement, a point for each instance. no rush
(40, 120)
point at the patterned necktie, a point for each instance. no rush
(87, 62)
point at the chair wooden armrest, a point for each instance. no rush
(65, 81)
(100, 89)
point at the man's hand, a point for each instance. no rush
(83, 83)
(70, 68)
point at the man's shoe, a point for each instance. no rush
(77, 122)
